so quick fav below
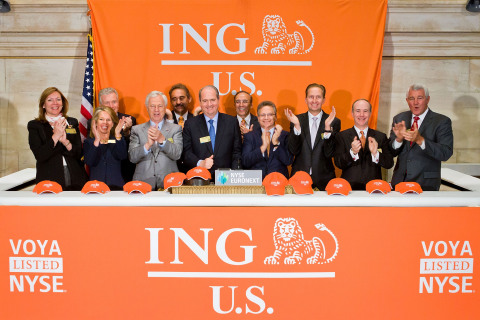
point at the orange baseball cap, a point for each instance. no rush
(301, 183)
(47, 186)
(275, 183)
(174, 179)
(338, 186)
(408, 187)
(378, 186)
(95, 186)
(137, 186)
(199, 172)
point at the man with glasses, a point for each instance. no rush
(421, 139)
(246, 120)
(265, 147)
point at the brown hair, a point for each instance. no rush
(43, 98)
(315, 85)
(96, 115)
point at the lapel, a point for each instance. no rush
(220, 128)
(305, 128)
(204, 131)
(427, 121)
(321, 128)
(144, 131)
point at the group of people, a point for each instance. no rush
(117, 150)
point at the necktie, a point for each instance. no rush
(244, 123)
(268, 145)
(181, 121)
(414, 125)
(362, 139)
(313, 132)
(211, 132)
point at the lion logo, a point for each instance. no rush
(276, 40)
(292, 248)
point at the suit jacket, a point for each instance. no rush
(127, 167)
(253, 120)
(359, 173)
(277, 161)
(156, 164)
(49, 156)
(423, 166)
(228, 143)
(319, 158)
(180, 163)
(175, 120)
(104, 161)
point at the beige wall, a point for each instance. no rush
(43, 43)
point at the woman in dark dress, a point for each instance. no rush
(55, 141)
(106, 148)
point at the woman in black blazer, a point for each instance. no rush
(55, 141)
(106, 148)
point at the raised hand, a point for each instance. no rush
(399, 129)
(292, 118)
(330, 119)
(372, 145)
(356, 145)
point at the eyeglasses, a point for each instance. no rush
(266, 115)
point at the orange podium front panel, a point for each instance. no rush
(238, 263)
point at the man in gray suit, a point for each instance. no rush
(155, 146)
(421, 139)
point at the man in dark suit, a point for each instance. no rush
(212, 140)
(246, 120)
(360, 151)
(421, 139)
(180, 100)
(312, 138)
(109, 97)
(265, 147)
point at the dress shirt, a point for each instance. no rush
(247, 119)
(397, 144)
(272, 130)
(355, 157)
(160, 125)
(326, 135)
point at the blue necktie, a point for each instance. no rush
(211, 132)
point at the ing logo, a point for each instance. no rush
(276, 40)
(292, 248)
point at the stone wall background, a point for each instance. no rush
(437, 43)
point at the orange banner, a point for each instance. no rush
(262, 263)
(272, 49)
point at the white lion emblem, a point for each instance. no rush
(276, 40)
(292, 248)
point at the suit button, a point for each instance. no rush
(155, 161)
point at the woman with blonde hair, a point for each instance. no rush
(106, 148)
(55, 141)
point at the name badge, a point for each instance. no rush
(70, 130)
(205, 139)
(112, 141)
(170, 139)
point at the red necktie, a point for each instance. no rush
(414, 126)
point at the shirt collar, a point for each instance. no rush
(319, 116)
(247, 119)
(365, 131)
(215, 119)
(160, 125)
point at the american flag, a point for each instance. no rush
(88, 96)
